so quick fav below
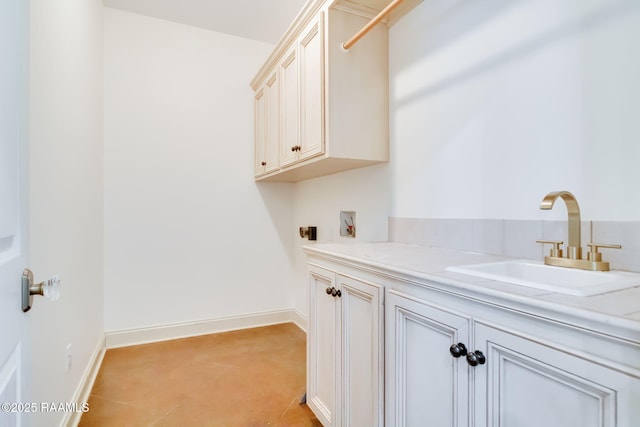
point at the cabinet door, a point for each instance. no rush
(311, 64)
(322, 393)
(289, 107)
(260, 132)
(425, 385)
(362, 369)
(272, 143)
(530, 383)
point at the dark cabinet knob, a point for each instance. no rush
(458, 350)
(476, 358)
(264, 163)
(333, 292)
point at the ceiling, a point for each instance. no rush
(263, 20)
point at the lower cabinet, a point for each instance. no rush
(532, 383)
(345, 369)
(425, 385)
(445, 368)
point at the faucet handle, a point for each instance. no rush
(594, 255)
(555, 252)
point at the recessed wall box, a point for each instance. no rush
(348, 223)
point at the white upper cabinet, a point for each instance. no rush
(311, 141)
(267, 129)
(333, 105)
(260, 111)
(289, 107)
(302, 117)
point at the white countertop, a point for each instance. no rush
(620, 309)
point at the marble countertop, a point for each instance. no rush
(620, 309)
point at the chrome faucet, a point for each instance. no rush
(574, 249)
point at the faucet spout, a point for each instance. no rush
(574, 248)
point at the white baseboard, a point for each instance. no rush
(299, 319)
(83, 391)
(184, 330)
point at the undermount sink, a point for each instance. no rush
(555, 279)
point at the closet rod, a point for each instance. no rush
(384, 12)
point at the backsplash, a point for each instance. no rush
(517, 238)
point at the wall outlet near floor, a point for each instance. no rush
(69, 358)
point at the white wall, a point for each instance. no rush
(496, 104)
(65, 194)
(318, 202)
(492, 105)
(189, 236)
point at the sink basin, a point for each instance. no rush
(554, 279)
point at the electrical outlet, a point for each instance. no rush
(69, 358)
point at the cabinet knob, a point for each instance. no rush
(458, 350)
(336, 292)
(329, 290)
(264, 163)
(294, 148)
(476, 358)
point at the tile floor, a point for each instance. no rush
(249, 378)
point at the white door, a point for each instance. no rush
(13, 74)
